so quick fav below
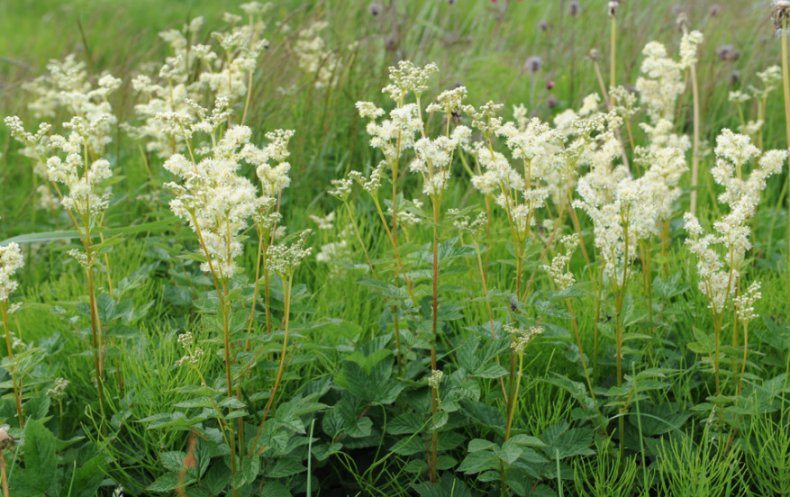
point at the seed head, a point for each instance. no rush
(574, 8)
(533, 64)
(780, 12)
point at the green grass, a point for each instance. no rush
(370, 419)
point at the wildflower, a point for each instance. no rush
(408, 78)
(192, 353)
(284, 259)
(313, 56)
(689, 46)
(326, 223)
(728, 53)
(333, 253)
(721, 253)
(744, 304)
(11, 261)
(341, 188)
(435, 379)
(780, 12)
(215, 200)
(558, 269)
(58, 389)
(533, 64)
(661, 81)
(521, 337)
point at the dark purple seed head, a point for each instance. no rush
(533, 64)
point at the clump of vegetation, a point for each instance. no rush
(302, 260)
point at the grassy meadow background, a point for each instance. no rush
(483, 45)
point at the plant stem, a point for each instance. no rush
(745, 355)
(613, 53)
(786, 89)
(254, 298)
(577, 335)
(695, 146)
(288, 282)
(436, 203)
(515, 380)
(4, 475)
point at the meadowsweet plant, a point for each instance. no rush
(11, 261)
(315, 59)
(493, 298)
(522, 190)
(79, 175)
(272, 170)
(194, 71)
(393, 136)
(284, 260)
(721, 253)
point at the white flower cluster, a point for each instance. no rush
(314, 57)
(521, 337)
(285, 258)
(433, 158)
(73, 158)
(11, 261)
(544, 165)
(559, 269)
(400, 129)
(217, 201)
(689, 47)
(744, 303)
(662, 80)
(67, 87)
(192, 354)
(192, 74)
(720, 254)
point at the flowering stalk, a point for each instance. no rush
(284, 259)
(519, 340)
(563, 279)
(781, 20)
(744, 309)
(720, 254)
(11, 260)
(10, 354)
